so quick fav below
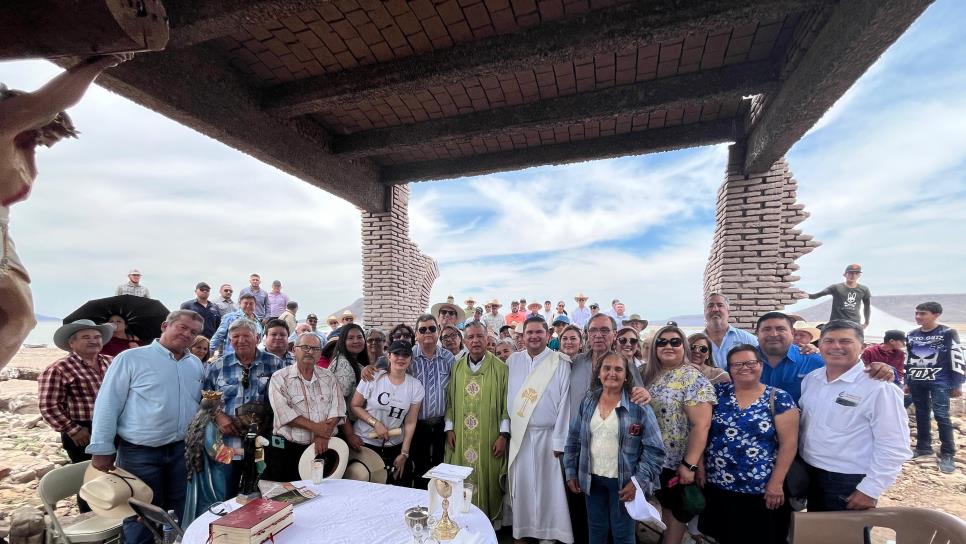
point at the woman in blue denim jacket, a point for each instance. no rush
(612, 439)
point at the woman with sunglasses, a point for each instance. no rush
(751, 445)
(376, 345)
(629, 345)
(681, 398)
(703, 359)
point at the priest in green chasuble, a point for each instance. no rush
(477, 423)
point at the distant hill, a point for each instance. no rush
(43, 318)
(355, 308)
(901, 306)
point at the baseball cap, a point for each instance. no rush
(894, 335)
(401, 347)
(594, 306)
(562, 319)
(853, 268)
(312, 316)
(134, 271)
(203, 285)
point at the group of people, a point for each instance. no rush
(563, 420)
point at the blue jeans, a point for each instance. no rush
(162, 468)
(606, 514)
(935, 396)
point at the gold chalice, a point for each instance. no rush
(446, 530)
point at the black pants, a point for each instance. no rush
(388, 455)
(427, 449)
(577, 505)
(282, 464)
(723, 508)
(76, 454)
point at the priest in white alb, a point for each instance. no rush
(537, 397)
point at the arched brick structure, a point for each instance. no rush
(755, 245)
(397, 278)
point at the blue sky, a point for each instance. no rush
(883, 175)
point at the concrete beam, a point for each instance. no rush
(218, 103)
(620, 28)
(642, 97)
(634, 143)
(854, 37)
(196, 21)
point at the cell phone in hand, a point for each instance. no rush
(673, 481)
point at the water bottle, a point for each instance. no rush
(167, 531)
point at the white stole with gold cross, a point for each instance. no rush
(526, 401)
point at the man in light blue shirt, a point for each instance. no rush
(149, 396)
(219, 342)
(724, 336)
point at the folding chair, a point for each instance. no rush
(64, 482)
(912, 526)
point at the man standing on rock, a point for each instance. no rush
(149, 396)
(69, 386)
(259, 294)
(847, 296)
(133, 286)
(205, 308)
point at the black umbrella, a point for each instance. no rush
(143, 315)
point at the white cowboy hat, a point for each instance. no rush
(460, 314)
(580, 296)
(494, 302)
(365, 465)
(63, 334)
(336, 456)
(805, 327)
(107, 492)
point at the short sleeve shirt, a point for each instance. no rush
(670, 393)
(389, 403)
(743, 443)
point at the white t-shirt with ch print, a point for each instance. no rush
(389, 403)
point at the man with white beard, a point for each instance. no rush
(539, 408)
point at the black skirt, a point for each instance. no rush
(742, 518)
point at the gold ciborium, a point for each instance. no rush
(446, 529)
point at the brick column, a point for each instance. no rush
(397, 278)
(755, 245)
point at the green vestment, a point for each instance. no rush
(476, 403)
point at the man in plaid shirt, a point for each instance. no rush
(68, 387)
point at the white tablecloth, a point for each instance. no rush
(353, 512)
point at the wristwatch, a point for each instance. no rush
(692, 468)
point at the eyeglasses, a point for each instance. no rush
(663, 342)
(244, 381)
(447, 337)
(447, 312)
(700, 349)
(402, 336)
(602, 330)
(624, 340)
(430, 329)
(375, 340)
(310, 349)
(745, 364)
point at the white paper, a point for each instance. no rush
(451, 473)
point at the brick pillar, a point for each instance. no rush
(397, 278)
(755, 245)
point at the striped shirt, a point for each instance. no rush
(68, 389)
(316, 400)
(131, 288)
(434, 373)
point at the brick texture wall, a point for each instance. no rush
(755, 245)
(397, 278)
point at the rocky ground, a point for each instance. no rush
(29, 449)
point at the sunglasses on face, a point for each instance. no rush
(447, 337)
(624, 340)
(376, 340)
(244, 381)
(430, 329)
(227, 291)
(447, 312)
(674, 342)
(700, 349)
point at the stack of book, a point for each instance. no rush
(254, 523)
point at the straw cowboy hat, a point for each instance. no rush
(805, 327)
(460, 314)
(579, 297)
(470, 301)
(63, 334)
(535, 306)
(365, 465)
(494, 302)
(336, 458)
(107, 492)
(635, 318)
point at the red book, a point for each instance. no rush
(248, 523)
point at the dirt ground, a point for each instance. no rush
(29, 449)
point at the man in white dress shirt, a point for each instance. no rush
(539, 408)
(854, 430)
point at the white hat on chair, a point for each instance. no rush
(107, 492)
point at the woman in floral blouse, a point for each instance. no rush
(751, 445)
(681, 398)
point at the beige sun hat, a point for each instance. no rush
(336, 456)
(365, 465)
(494, 302)
(460, 314)
(805, 327)
(580, 296)
(107, 492)
(63, 334)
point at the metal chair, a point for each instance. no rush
(155, 518)
(912, 526)
(64, 482)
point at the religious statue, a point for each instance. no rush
(208, 459)
(29, 120)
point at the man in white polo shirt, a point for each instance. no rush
(854, 429)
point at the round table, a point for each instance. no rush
(353, 512)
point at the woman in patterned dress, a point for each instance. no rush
(751, 445)
(681, 398)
